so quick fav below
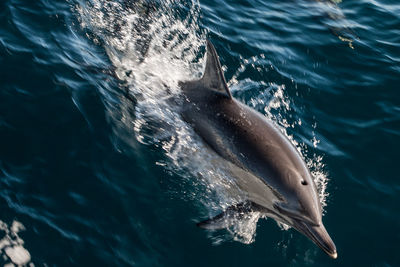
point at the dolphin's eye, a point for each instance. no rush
(304, 182)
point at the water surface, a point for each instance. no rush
(98, 169)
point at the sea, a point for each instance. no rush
(97, 167)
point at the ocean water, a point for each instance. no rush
(98, 169)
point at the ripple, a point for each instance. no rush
(103, 179)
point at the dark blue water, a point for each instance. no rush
(98, 169)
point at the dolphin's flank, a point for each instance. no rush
(265, 164)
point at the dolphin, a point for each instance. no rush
(268, 169)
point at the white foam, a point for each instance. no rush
(16, 227)
(18, 255)
(11, 245)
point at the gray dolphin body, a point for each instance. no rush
(267, 167)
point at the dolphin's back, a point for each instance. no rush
(245, 138)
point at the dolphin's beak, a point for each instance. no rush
(319, 235)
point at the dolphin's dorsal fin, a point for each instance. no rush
(213, 76)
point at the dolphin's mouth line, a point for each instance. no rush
(305, 229)
(294, 215)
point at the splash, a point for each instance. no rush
(277, 106)
(314, 162)
(11, 245)
(281, 103)
(153, 46)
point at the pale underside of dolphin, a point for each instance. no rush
(265, 165)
